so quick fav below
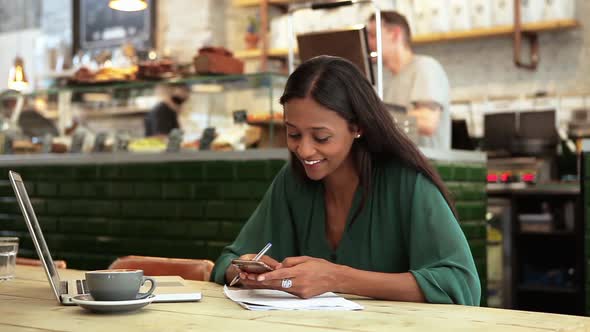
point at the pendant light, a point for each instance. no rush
(17, 79)
(128, 5)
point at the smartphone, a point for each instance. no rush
(249, 266)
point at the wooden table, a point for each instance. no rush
(27, 304)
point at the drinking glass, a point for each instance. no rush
(8, 250)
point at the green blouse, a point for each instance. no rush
(405, 225)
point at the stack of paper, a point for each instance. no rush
(267, 299)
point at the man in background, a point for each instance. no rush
(417, 83)
(163, 118)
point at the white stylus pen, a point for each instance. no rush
(256, 258)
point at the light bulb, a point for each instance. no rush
(17, 80)
(128, 5)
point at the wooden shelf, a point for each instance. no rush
(495, 31)
(256, 53)
(440, 37)
(253, 3)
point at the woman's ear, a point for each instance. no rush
(356, 131)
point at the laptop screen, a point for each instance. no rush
(35, 229)
(350, 43)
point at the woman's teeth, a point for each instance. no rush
(311, 162)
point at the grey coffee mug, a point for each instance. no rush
(118, 285)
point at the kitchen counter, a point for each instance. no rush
(132, 157)
(558, 188)
(257, 154)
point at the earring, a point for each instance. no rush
(358, 136)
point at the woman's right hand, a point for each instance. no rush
(248, 280)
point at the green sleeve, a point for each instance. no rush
(270, 222)
(440, 258)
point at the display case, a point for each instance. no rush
(243, 109)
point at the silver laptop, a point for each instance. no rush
(169, 288)
(350, 43)
(64, 290)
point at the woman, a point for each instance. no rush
(359, 210)
(163, 118)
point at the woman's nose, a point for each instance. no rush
(305, 149)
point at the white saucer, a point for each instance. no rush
(87, 302)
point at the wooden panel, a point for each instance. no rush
(444, 37)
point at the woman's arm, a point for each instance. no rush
(270, 222)
(314, 276)
(439, 254)
(386, 286)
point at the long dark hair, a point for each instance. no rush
(338, 85)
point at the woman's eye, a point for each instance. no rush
(322, 139)
(293, 135)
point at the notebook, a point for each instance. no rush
(268, 299)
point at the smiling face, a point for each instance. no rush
(319, 137)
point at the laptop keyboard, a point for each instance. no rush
(80, 288)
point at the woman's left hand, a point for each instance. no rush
(309, 276)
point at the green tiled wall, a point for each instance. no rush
(467, 184)
(91, 215)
